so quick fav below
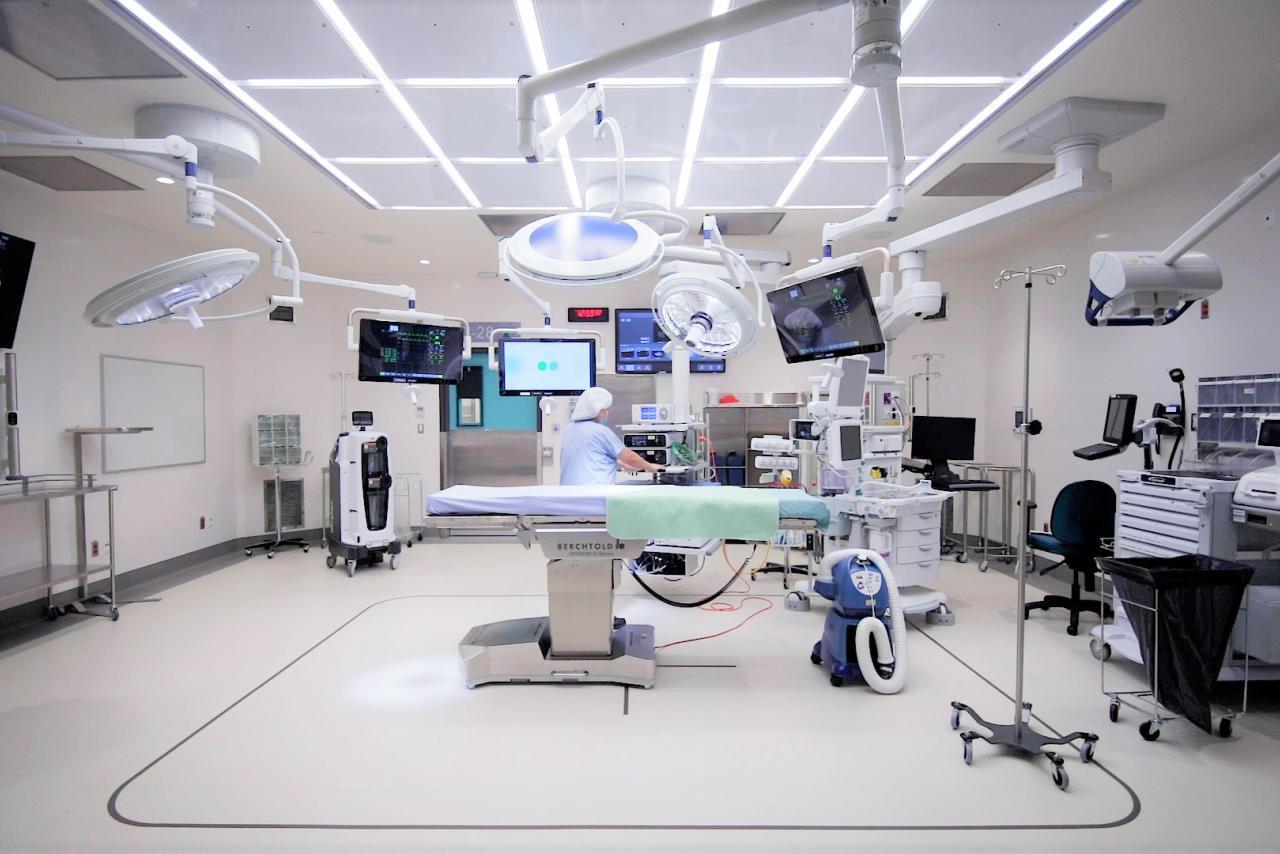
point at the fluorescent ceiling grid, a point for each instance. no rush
(309, 83)
(393, 93)
(538, 56)
(177, 43)
(701, 97)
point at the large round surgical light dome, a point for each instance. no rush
(578, 249)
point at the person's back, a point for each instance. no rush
(589, 454)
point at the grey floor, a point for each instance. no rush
(276, 705)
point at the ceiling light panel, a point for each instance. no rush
(404, 185)
(841, 184)
(442, 38)
(530, 185)
(653, 123)
(718, 185)
(989, 37)
(276, 39)
(763, 122)
(814, 45)
(76, 41)
(929, 117)
(580, 30)
(489, 126)
(344, 122)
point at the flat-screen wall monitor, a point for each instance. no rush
(1269, 433)
(15, 265)
(395, 352)
(638, 342)
(826, 317)
(939, 439)
(1121, 409)
(546, 367)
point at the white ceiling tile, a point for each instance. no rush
(653, 123)
(517, 185)
(998, 37)
(344, 122)
(416, 185)
(489, 126)
(729, 185)
(819, 44)
(766, 121)
(580, 29)
(841, 184)
(442, 38)
(930, 115)
(266, 38)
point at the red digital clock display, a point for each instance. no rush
(588, 315)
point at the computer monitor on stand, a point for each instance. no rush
(940, 441)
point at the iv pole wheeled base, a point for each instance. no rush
(1023, 740)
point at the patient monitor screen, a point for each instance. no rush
(396, 352)
(826, 317)
(1120, 412)
(543, 367)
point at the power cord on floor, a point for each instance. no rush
(768, 605)
(699, 603)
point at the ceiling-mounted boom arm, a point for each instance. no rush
(745, 19)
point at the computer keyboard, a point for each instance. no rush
(1098, 451)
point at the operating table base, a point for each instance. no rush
(516, 651)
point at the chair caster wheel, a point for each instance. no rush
(1073, 630)
(1101, 649)
(837, 681)
(1114, 712)
(1149, 730)
(1224, 728)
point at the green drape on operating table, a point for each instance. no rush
(679, 512)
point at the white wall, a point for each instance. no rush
(1076, 367)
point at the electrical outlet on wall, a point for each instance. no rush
(94, 549)
(202, 523)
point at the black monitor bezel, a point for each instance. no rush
(452, 331)
(502, 366)
(799, 358)
(1130, 401)
(917, 454)
(14, 288)
(694, 358)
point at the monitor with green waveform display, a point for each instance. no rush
(397, 352)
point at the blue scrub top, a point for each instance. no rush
(589, 454)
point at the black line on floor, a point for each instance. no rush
(114, 812)
(626, 699)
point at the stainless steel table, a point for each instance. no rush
(1007, 551)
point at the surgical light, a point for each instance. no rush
(176, 287)
(579, 249)
(705, 314)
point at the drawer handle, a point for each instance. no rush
(925, 564)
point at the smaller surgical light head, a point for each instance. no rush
(176, 287)
(707, 315)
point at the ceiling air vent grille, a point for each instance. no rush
(989, 179)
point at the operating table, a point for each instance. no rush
(579, 640)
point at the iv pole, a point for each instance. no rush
(928, 374)
(1019, 736)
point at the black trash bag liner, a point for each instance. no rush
(1199, 598)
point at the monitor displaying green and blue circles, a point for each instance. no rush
(547, 367)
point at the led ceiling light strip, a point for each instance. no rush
(177, 43)
(384, 161)
(528, 18)
(698, 113)
(1102, 15)
(765, 82)
(393, 93)
(309, 83)
(910, 17)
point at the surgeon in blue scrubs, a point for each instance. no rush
(590, 452)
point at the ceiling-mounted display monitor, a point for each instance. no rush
(546, 367)
(396, 352)
(15, 266)
(639, 342)
(832, 315)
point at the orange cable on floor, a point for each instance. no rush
(767, 606)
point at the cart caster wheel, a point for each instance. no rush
(306, 549)
(115, 615)
(248, 552)
(270, 555)
(51, 614)
(962, 558)
(1114, 712)
(394, 562)
(331, 561)
(1060, 778)
(984, 566)
(419, 536)
(408, 544)
(1101, 650)
(1073, 630)
(815, 658)
(968, 752)
(1224, 728)
(1148, 730)
(1086, 752)
(351, 569)
(955, 719)
(837, 681)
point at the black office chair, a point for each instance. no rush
(1084, 513)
